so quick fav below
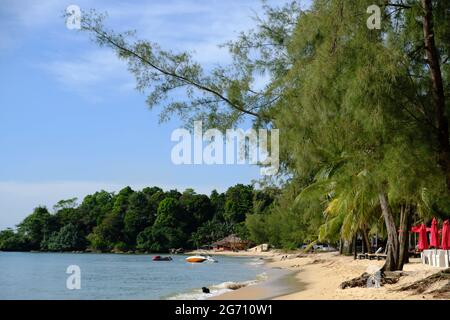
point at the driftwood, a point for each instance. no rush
(442, 293)
(235, 286)
(362, 281)
(318, 261)
(422, 285)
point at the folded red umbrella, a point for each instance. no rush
(434, 234)
(446, 235)
(423, 238)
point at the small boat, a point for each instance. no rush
(196, 259)
(159, 258)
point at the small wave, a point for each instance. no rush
(218, 289)
(198, 295)
(256, 262)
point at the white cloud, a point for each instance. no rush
(197, 26)
(90, 69)
(87, 73)
(32, 13)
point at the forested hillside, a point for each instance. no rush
(150, 220)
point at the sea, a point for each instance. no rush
(90, 276)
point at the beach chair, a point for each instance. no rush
(426, 257)
(381, 256)
(441, 259)
(377, 255)
(447, 258)
(434, 258)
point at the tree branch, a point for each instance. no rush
(123, 49)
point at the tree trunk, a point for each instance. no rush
(376, 241)
(392, 243)
(367, 240)
(363, 243)
(403, 236)
(437, 90)
(347, 247)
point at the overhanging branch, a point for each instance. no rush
(105, 37)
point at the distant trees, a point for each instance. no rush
(12, 241)
(147, 220)
(37, 227)
(238, 203)
(139, 215)
(68, 238)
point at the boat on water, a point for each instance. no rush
(196, 259)
(159, 258)
(200, 259)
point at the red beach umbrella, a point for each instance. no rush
(434, 234)
(423, 238)
(446, 235)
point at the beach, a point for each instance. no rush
(317, 276)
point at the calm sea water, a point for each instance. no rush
(111, 276)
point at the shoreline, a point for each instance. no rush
(317, 276)
(279, 283)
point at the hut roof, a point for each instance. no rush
(231, 239)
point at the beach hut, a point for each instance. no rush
(230, 243)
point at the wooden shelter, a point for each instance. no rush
(230, 243)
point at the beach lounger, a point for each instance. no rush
(362, 256)
(377, 255)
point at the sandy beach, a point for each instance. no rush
(318, 276)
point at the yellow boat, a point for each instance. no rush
(196, 259)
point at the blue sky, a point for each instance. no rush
(71, 121)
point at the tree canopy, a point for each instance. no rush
(150, 220)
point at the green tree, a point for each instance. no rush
(210, 232)
(161, 239)
(264, 199)
(37, 227)
(238, 203)
(218, 203)
(137, 217)
(363, 97)
(197, 208)
(111, 230)
(12, 241)
(68, 238)
(94, 208)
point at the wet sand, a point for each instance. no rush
(280, 282)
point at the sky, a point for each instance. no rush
(72, 122)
